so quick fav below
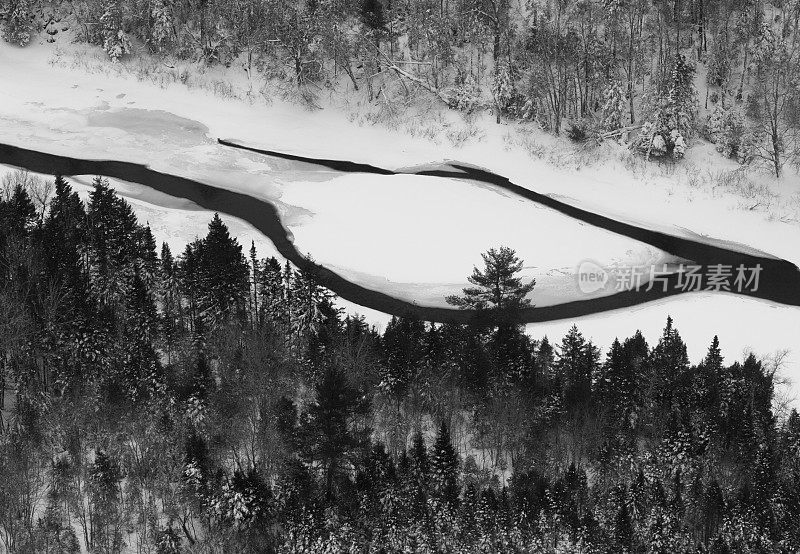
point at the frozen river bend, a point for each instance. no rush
(539, 215)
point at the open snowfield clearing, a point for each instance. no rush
(423, 235)
(419, 245)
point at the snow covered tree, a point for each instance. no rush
(162, 32)
(727, 128)
(20, 24)
(666, 131)
(503, 89)
(113, 21)
(776, 138)
(310, 308)
(614, 106)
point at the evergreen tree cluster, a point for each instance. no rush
(211, 403)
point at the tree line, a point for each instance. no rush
(215, 401)
(624, 70)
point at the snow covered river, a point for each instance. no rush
(779, 280)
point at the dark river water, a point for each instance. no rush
(779, 280)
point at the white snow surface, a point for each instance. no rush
(423, 235)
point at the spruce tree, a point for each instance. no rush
(216, 273)
(577, 363)
(64, 238)
(417, 477)
(668, 364)
(113, 233)
(328, 430)
(444, 467)
(256, 271)
(403, 344)
(21, 215)
(271, 292)
(618, 386)
(170, 299)
(710, 382)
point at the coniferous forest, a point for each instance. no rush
(214, 401)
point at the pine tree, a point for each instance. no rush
(372, 15)
(417, 477)
(497, 292)
(545, 358)
(104, 497)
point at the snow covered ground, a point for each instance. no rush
(422, 235)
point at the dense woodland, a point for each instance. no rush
(211, 401)
(655, 74)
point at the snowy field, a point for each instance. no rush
(424, 234)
